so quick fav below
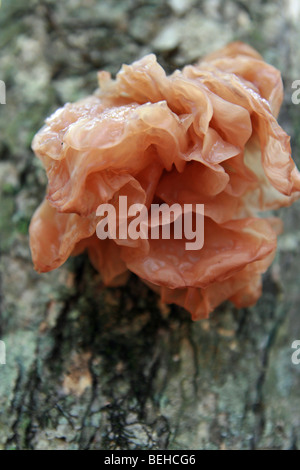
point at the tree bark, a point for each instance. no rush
(89, 367)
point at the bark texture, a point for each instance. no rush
(96, 368)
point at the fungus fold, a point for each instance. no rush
(208, 135)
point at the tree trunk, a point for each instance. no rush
(94, 368)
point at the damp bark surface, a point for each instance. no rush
(89, 367)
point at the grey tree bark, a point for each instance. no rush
(94, 368)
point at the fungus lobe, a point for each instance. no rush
(208, 135)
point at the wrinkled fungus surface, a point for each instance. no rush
(207, 134)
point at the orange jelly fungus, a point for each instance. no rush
(207, 134)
